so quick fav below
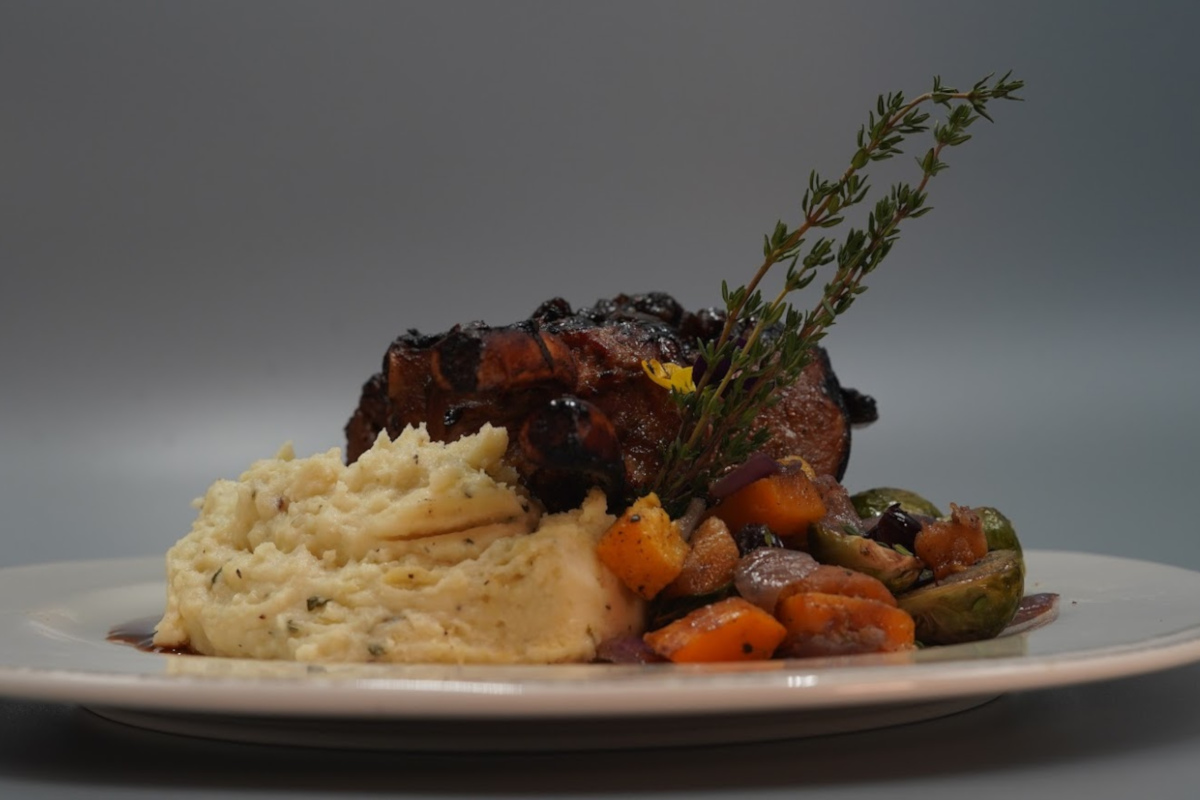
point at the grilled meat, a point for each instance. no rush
(569, 387)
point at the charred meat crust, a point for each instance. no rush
(860, 407)
(500, 359)
(574, 446)
(570, 388)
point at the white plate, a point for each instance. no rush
(1117, 618)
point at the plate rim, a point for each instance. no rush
(622, 690)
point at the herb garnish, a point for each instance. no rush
(766, 344)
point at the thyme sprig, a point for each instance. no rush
(765, 344)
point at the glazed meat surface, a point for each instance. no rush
(580, 410)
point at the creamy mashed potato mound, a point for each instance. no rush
(418, 552)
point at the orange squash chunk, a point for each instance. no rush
(787, 503)
(728, 630)
(820, 624)
(643, 547)
(950, 546)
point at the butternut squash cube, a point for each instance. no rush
(643, 547)
(732, 629)
(787, 503)
(820, 624)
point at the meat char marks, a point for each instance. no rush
(580, 411)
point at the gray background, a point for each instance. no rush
(215, 216)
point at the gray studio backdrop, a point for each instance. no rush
(214, 216)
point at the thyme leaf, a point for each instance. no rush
(766, 343)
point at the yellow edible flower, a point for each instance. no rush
(670, 376)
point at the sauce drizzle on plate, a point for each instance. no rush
(139, 633)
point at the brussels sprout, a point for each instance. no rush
(998, 528)
(977, 603)
(873, 502)
(1000, 533)
(897, 570)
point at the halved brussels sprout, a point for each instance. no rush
(873, 502)
(1000, 533)
(998, 528)
(977, 603)
(896, 570)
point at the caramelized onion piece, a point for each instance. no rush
(691, 517)
(1034, 611)
(839, 508)
(627, 650)
(757, 466)
(762, 574)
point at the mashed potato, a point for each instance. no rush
(417, 552)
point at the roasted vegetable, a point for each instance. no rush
(821, 624)
(643, 547)
(758, 466)
(950, 545)
(763, 573)
(627, 650)
(975, 603)
(729, 630)
(873, 502)
(828, 579)
(709, 566)
(1000, 533)
(998, 529)
(1034, 611)
(895, 569)
(839, 510)
(787, 503)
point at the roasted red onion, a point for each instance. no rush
(839, 509)
(759, 465)
(626, 650)
(691, 517)
(1035, 611)
(763, 573)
